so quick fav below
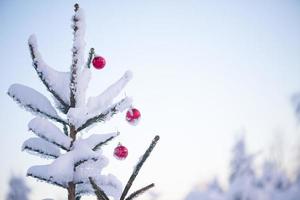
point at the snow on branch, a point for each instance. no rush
(61, 171)
(98, 191)
(83, 81)
(33, 101)
(77, 51)
(138, 167)
(49, 132)
(57, 83)
(95, 141)
(109, 184)
(85, 121)
(102, 101)
(40, 147)
(140, 191)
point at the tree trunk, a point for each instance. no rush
(71, 191)
(71, 185)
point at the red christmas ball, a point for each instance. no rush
(133, 116)
(98, 62)
(121, 152)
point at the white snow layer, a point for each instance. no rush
(83, 81)
(49, 132)
(78, 48)
(58, 81)
(99, 104)
(32, 100)
(61, 170)
(102, 101)
(78, 116)
(108, 183)
(78, 41)
(40, 147)
(96, 139)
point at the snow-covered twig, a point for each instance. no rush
(38, 146)
(46, 74)
(138, 167)
(91, 54)
(100, 144)
(77, 51)
(49, 132)
(140, 191)
(118, 107)
(98, 191)
(33, 101)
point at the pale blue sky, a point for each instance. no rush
(202, 71)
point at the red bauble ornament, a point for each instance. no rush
(120, 152)
(133, 116)
(98, 62)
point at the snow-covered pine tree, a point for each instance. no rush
(242, 177)
(77, 163)
(18, 190)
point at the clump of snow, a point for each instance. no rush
(78, 48)
(90, 168)
(78, 41)
(49, 132)
(61, 171)
(109, 183)
(101, 102)
(96, 139)
(32, 100)
(78, 116)
(57, 81)
(40, 147)
(83, 81)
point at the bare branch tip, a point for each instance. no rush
(76, 7)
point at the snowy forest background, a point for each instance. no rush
(204, 72)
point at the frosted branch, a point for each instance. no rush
(118, 107)
(77, 51)
(49, 132)
(101, 102)
(91, 55)
(33, 101)
(40, 147)
(98, 191)
(46, 180)
(138, 167)
(140, 191)
(55, 82)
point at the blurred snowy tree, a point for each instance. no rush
(18, 190)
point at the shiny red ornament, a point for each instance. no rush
(133, 116)
(120, 152)
(98, 62)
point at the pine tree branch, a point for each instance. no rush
(103, 116)
(91, 54)
(139, 192)
(38, 111)
(47, 180)
(98, 146)
(83, 161)
(65, 128)
(47, 115)
(53, 142)
(138, 167)
(65, 106)
(75, 60)
(98, 191)
(40, 152)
